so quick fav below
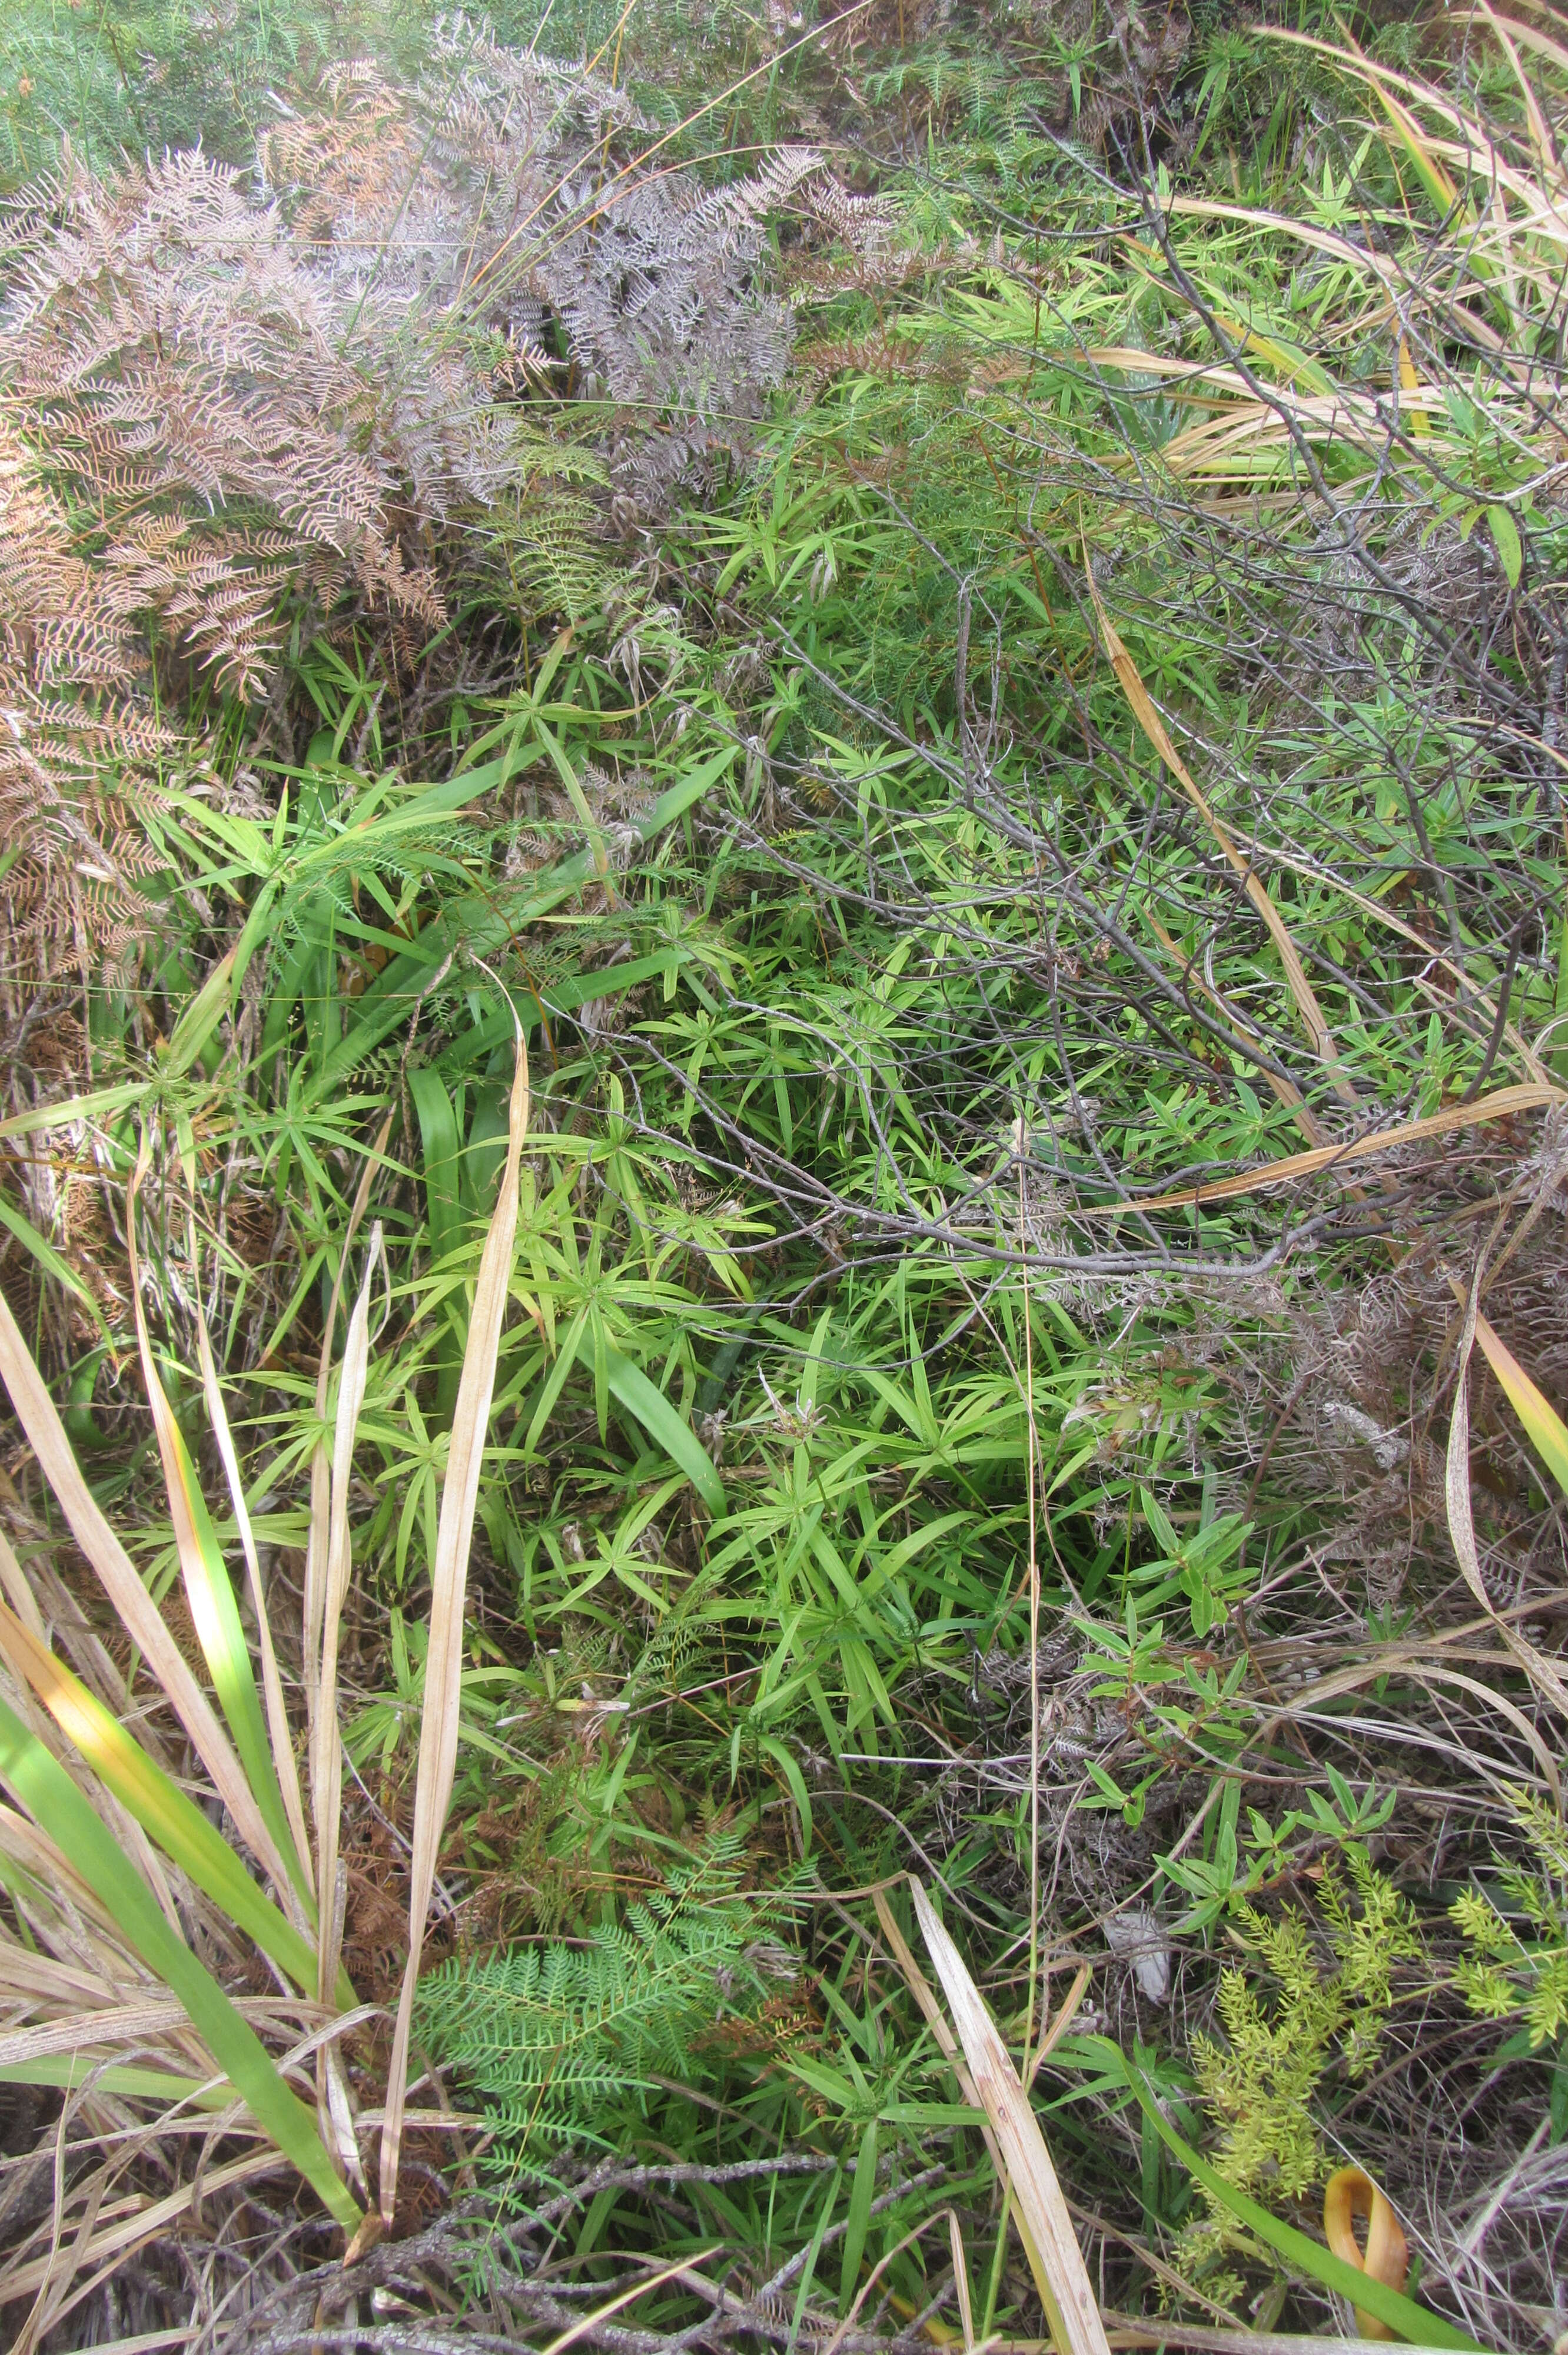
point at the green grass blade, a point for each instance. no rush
(1547, 1430)
(1417, 2323)
(49, 1260)
(228, 1655)
(659, 1419)
(158, 1805)
(443, 1207)
(42, 1785)
(480, 926)
(67, 2070)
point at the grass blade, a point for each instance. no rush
(158, 1805)
(1066, 2290)
(321, 1470)
(449, 1584)
(279, 1731)
(1546, 1428)
(137, 1612)
(1501, 1104)
(1542, 1673)
(42, 1785)
(1413, 2322)
(659, 1419)
(1153, 727)
(49, 1260)
(327, 1741)
(210, 1595)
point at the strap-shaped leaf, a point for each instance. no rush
(1413, 2322)
(664, 1425)
(1541, 1419)
(217, 1616)
(261, 1818)
(44, 1788)
(158, 1805)
(133, 1605)
(439, 1714)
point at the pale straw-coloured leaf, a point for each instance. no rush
(1066, 2290)
(146, 2222)
(1543, 1674)
(327, 1741)
(961, 2282)
(109, 2024)
(18, 1593)
(318, 1536)
(449, 1584)
(1502, 1103)
(1153, 727)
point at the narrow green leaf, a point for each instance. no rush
(158, 1805)
(1505, 534)
(439, 1136)
(215, 997)
(481, 926)
(1413, 2322)
(227, 1656)
(51, 1263)
(42, 1786)
(443, 1204)
(1547, 1430)
(859, 2216)
(70, 2069)
(807, 2270)
(664, 1427)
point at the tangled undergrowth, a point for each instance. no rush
(955, 619)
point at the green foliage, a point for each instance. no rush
(1264, 2085)
(565, 2044)
(1510, 1970)
(879, 981)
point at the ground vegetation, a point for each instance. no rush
(784, 1023)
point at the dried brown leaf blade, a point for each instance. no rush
(449, 1584)
(1065, 2288)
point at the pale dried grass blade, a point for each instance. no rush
(1066, 2012)
(1501, 1104)
(327, 1741)
(132, 2231)
(1149, 719)
(137, 1612)
(931, 2012)
(1543, 1674)
(919, 1987)
(318, 1533)
(961, 2282)
(1066, 2290)
(19, 1593)
(449, 1584)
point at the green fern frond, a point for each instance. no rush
(558, 2041)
